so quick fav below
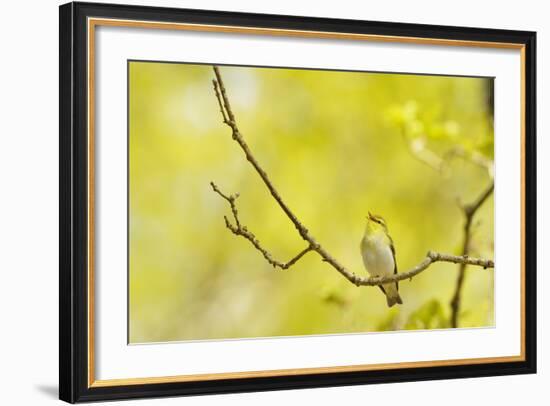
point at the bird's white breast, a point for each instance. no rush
(377, 257)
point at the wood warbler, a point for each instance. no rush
(378, 255)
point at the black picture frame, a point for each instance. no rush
(73, 255)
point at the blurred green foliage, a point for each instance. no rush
(336, 145)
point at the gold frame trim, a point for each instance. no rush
(94, 22)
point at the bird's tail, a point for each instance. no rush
(392, 295)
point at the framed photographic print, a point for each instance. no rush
(256, 202)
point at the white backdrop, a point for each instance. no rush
(115, 359)
(28, 215)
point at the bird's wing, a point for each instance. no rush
(392, 247)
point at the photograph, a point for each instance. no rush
(272, 202)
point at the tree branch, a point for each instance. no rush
(418, 149)
(468, 211)
(312, 245)
(431, 257)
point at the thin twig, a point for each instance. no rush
(243, 231)
(220, 101)
(417, 148)
(474, 157)
(312, 244)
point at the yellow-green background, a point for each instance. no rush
(333, 144)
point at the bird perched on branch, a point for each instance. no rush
(378, 255)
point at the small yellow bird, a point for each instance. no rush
(378, 255)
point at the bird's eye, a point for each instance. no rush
(380, 221)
